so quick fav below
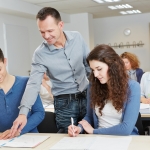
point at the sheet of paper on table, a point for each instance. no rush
(24, 141)
(93, 143)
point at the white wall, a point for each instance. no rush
(110, 30)
(34, 36)
(84, 24)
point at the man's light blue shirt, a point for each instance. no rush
(66, 67)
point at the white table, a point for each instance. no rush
(137, 143)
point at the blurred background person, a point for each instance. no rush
(45, 91)
(145, 88)
(132, 66)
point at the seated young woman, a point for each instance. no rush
(113, 99)
(11, 92)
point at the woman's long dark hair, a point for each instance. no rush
(117, 86)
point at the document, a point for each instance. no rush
(24, 141)
(144, 106)
(92, 143)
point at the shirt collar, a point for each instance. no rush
(69, 37)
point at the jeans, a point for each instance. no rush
(65, 108)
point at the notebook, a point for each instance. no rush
(24, 141)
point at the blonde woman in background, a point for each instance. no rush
(132, 66)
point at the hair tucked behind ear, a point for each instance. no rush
(117, 86)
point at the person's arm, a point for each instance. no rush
(89, 113)
(33, 84)
(47, 87)
(130, 116)
(35, 116)
(30, 94)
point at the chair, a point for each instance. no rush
(147, 130)
(48, 125)
(139, 125)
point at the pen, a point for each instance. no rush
(72, 122)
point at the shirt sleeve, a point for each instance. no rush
(35, 116)
(89, 113)
(33, 84)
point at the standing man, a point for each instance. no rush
(63, 56)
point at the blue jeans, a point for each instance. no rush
(65, 108)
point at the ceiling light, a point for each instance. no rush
(130, 12)
(105, 1)
(120, 6)
(123, 12)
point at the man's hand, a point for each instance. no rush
(18, 125)
(87, 127)
(6, 135)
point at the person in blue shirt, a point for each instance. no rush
(113, 100)
(11, 92)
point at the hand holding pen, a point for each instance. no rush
(73, 130)
(72, 124)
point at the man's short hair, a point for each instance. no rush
(48, 11)
(1, 56)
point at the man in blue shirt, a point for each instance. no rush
(11, 91)
(63, 56)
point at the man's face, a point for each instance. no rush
(50, 29)
(3, 71)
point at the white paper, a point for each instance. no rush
(3, 142)
(26, 141)
(92, 143)
(73, 143)
(104, 143)
(144, 106)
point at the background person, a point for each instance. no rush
(145, 88)
(111, 96)
(132, 66)
(63, 56)
(45, 91)
(11, 91)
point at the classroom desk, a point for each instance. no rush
(137, 143)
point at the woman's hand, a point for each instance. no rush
(87, 127)
(6, 135)
(73, 131)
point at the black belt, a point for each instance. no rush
(73, 96)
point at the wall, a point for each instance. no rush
(84, 24)
(34, 36)
(110, 30)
